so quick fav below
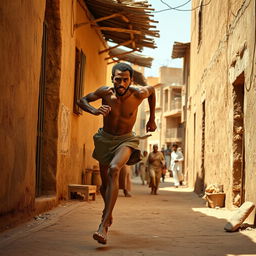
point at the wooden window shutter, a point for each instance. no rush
(80, 63)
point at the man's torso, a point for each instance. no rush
(123, 112)
(156, 159)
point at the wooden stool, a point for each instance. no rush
(85, 189)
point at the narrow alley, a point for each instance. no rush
(97, 93)
(175, 222)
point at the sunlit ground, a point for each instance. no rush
(219, 213)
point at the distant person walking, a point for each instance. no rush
(143, 168)
(167, 157)
(155, 165)
(176, 165)
(125, 180)
(164, 168)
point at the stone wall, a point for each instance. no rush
(224, 53)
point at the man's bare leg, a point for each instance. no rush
(111, 191)
(103, 187)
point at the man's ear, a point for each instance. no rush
(112, 77)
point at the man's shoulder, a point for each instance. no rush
(104, 90)
(137, 90)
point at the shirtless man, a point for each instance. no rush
(115, 143)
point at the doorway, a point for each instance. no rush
(48, 101)
(238, 172)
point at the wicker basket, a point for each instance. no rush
(215, 199)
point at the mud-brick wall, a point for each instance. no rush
(20, 44)
(79, 140)
(242, 60)
(224, 53)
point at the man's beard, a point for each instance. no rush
(121, 94)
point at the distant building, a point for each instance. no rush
(168, 89)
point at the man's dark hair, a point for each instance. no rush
(175, 145)
(122, 67)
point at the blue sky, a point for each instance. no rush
(173, 26)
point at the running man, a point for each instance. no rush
(115, 143)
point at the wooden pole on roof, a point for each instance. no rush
(124, 18)
(111, 48)
(124, 30)
(119, 55)
(114, 61)
(132, 37)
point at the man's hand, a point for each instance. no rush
(103, 110)
(151, 126)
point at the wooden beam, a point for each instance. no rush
(114, 61)
(124, 30)
(132, 37)
(111, 48)
(121, 54)
(124, 18)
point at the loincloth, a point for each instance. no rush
(107, 145)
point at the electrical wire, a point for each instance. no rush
(176, 8)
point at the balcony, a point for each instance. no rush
(173, 134)
(174, 109)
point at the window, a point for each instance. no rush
(79, 79)
(158, 98)
(166, 99)
(200, 24)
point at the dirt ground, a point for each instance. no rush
(175, 222)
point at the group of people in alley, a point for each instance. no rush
(116, 145)
(155, 165)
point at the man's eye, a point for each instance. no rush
(118, 80)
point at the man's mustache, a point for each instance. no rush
(120, 87)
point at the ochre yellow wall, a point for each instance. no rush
(82, 127)
(21, 33)
(22, 25)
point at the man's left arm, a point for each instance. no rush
(149, 92)
(181, 157)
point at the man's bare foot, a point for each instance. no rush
(126, 193)
(101, 234)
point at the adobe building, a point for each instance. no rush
(221, 104)
(53, 53)
(168, 87)
(182, 50)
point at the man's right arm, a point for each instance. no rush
(84, 104)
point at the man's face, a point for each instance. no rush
(155, 148)
(121, 81)
(174, 148)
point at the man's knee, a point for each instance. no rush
(114, 170)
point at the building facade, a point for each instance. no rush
(53, 54)
(220, 134)
(46, 142)
(168, 88)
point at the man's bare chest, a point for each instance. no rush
(125, 107)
